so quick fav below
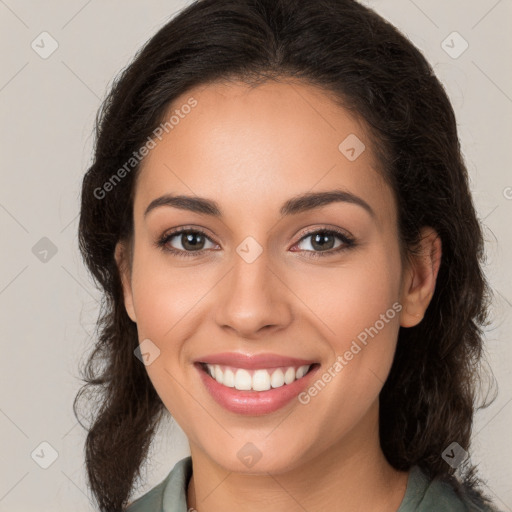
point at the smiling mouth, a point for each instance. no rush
(258, 379)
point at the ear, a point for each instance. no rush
(420, 278)
(123, 264)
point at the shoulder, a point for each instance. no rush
(152, 501)
(172, 488)
(453, 496)
(441, 495)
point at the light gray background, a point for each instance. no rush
(48, 308)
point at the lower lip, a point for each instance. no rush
(254, 402)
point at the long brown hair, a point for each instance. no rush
(364, 62)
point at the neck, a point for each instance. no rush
(354, 473)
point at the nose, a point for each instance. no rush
(253, 299)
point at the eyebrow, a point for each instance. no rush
(293, 206)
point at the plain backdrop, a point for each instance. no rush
(48, 304)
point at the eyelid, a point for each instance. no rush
(163, 240)
(188, 228)
(326, 228)
(347, 239)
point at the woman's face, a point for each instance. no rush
(264, 277)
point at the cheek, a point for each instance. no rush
(356, 308)
(163, 295)
(164, 299)
(349, 298)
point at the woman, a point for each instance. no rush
(279, 216)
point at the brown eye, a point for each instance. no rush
(324, 241)
(189, 241)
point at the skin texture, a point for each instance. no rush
(251, 150)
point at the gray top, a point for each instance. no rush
(421, 495)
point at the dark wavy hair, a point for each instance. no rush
(369, 67)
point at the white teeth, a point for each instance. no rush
(277, 379)
(289, 376)
(301, 371)
(229, 378)
(260, 380)
(242, 380)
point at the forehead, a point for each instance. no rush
(259, 146)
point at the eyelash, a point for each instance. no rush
(348, 242)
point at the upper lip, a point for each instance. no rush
(251, 361)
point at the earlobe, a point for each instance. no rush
(419, 285)
(123, 265)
